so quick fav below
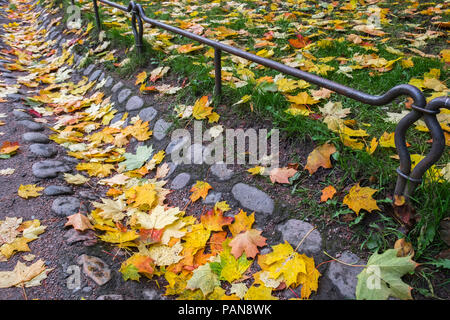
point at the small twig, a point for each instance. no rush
(342, 262)
(187, 204)
(303, 239)
(24, 292)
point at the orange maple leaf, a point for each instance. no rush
(79, 222)
(214, 220)
(200, 189)
(320, 157)
(327, 193)
(242, 222)
(247, 241)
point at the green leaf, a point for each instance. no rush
(135, 161)
(204, 279)
(441, 263)
(130, 272)
(381, 278)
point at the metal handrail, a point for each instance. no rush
(420, 108)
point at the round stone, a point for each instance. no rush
(31, 125)
(160, 129)
(344, 278)
(57, 190)
(123, 95)
(147, 114)
(134, 103)
(180, 181)
(117, 87)
(94, 76)
(221, 171)
(49, 168)
(253, 199)
(88, 70)
(43, 150)
(35, 137)
(213, 197)
(294, 230)
(66, 206)
(20, 115)
(109, 82)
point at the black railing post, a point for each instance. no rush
(97, 16)
(218, 73)
(137, 32)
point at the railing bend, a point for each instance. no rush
(406, 180)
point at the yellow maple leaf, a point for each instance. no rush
(242, 222)
(140, 78)
(200, 190)
(139, 130)
(144, 197)
(29, 191)
(201, 108)
(387, 140)
(96, 169)
(302, 98)
(320, 157)
(259, 293)
(258, 170)
(361, 198)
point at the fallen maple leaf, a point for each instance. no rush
(361, 198)
(320, 157)
(247, 242)
(79, 222)
(282, 175)
(327, 193)
(214, 220)
(200, 190)
(29, 191)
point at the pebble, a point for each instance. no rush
(117, 86)
(109, 82)
(343, 277)
(221, 171)
(88, 195)
(49, 168)
(110, 297)
(213, 197)
(160, 129)
(43, 150)
(95, 268)
(35, 137)
(294, 230)
(88, 70)
(57, 190)
(180, 181)
(72, 236)
(152, 294)
(147, 114)
(252, 198)
(66, 206)
(135, 103)
(31, 125)
(172, 168)
(20, 115)
(94, 76)
(123, 95)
